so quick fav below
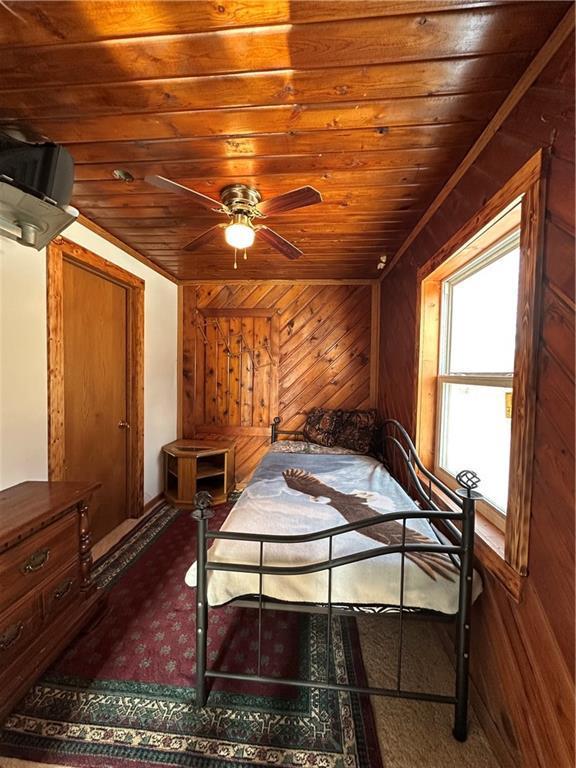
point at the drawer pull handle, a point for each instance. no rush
(36, 561)
(11, 636)
(63, 589)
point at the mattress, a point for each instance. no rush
(292, 494)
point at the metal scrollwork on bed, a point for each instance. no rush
(456, 523)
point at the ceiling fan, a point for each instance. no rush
(242, 205)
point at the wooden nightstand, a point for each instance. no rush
(198, 465)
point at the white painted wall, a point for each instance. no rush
(23, 361)
(23, 365)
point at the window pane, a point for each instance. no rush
(483, 318)
(475, 434)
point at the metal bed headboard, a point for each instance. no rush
(395, 436)
(274, 431)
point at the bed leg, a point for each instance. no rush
(201, 631)
(460, 730)
(201, 514)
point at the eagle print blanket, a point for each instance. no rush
(298, 494)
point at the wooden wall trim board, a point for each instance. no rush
(55, 341)
(375, 344)
(89, 260)
(233, 431)
(238, 312)
(58, 251)
(517, 537)
(558, 37)
(180, 363)
(272, 281)
(274, 370)
(135, 408)
(97, 229)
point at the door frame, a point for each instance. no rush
(58, 251)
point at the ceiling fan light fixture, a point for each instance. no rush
(240, 233)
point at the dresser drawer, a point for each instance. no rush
(18, 628)
(61, 592)
(29, 564)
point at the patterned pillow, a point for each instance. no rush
(322, 426)
(357, 430)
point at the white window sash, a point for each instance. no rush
(478, 379)
(503, 381)
(482, 260)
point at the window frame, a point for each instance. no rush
(506, 551)
(488, 255)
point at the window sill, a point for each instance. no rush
(489, 551)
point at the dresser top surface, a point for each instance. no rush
(27, 506)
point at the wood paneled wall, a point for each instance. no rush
(320, 343)
(523, 654)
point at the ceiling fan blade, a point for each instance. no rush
(297, 198)
(173, 186)
(278, 242)
(204, 238)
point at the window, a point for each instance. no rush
(476, 367)
(477, 363)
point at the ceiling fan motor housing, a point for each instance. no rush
(241, 199)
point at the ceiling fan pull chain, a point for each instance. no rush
(245, 254)
(235, 262)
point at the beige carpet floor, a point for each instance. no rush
(412, 734)
(417, 734)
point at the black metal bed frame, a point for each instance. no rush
(460, 545)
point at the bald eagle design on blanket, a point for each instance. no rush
(354, 508)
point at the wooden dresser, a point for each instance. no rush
(46, 592)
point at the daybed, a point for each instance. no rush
(321, 529)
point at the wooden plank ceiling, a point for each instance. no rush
(374, 103)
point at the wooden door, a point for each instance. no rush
(95, 317)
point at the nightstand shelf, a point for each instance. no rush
(204, 470)
(198, 465)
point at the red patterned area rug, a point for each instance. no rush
(122, 693)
